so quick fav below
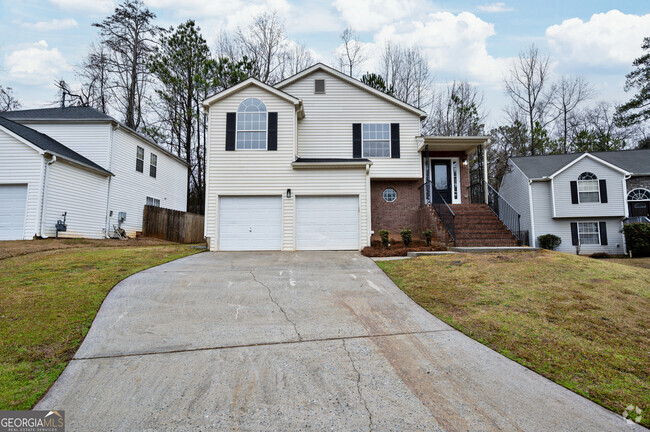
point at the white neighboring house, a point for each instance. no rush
(583, 197)
(79, 161)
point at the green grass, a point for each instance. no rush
(581, 322)
(48, 301)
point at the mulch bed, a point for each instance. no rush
(398, 249)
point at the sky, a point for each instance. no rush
(42, 40)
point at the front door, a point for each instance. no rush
(639, 208)
(441, 179)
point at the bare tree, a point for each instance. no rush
(263, 42)
(407, 72)
(457, 111)
(351, 54)
(525, 85)
(296, 58)
(129, 36)
(8, 101)
(569, 93)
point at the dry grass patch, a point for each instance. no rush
(48, 301)
(581, 322)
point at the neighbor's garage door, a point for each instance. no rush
(327, 223)
(250, 223)
(13, 199)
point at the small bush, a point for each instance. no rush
(549, 241)
(384, 238)
(407, 236)
(599, 255)
(637, 239)
(427, 236)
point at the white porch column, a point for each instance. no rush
(485, 170)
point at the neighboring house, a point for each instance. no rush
(78, 161)
(323, 161)
(582, 198)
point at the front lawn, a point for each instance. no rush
(582, 322)
(48, 301)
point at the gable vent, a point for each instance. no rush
(319, 86)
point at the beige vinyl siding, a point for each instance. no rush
(21, 164)
(615, 205)
(269, 173)
(79, 192)
(88, 139)
(545, 224)
(514, 189)
(326, 129)
(130, 188)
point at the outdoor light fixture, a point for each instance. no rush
(464, 162)
(288, 193)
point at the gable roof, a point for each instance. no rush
(75, 114)
(247, 83)
(353, 81)
(537, 167)
(49, 145)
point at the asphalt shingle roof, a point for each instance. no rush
(534, 167)
(67, 113)
(48, 144)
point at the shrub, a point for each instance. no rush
(407, 236)
(549, 241)
(384, 238)
(599, 255)
(637, 239)
(427, 236)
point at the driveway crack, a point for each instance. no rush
(278, 305)
(365, 404)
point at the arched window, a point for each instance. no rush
(588, 190)
(251, 125)
(639, 195)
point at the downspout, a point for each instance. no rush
(44, 206)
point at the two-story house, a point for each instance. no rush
(81, 162)
(322, 161)
(583, 198)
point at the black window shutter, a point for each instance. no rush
(394, 140)
(231, 131)
(273, 131)
(603, 191)
(574, 193)
(602, 227)
(356, 140)
(574, 233)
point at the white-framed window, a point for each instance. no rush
(390, 195)
(153, 202)
(153, 165)
(639, 195)
(588, 190)
(139, 159)
(251, 125)
(376, 140)
(588, 233)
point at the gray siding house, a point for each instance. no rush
(583, 198)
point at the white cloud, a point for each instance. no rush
(455, 45)
(608, 40)
(55, 24)
(95, 6)
(36, 64)
(495, 8)
(367, 15)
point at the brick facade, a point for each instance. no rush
(642, 182)
(399, 214)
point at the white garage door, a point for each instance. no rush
(327, 223)
(13, 199)
(250, 223)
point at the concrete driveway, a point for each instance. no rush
(295, 341)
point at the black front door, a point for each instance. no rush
(639, 208)
(441, 180)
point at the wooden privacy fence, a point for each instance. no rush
(172, 225)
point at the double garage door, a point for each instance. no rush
(13, 200)
(321, 223)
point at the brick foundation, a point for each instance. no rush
(399, 214)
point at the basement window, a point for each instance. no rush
(153, 165)
(153, 202)
(319, 86)
(588, 233)
(139, 159)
